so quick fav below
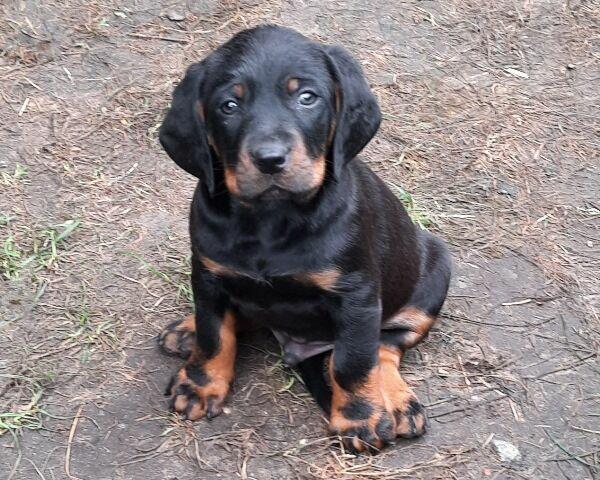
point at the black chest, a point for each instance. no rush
(282, 303)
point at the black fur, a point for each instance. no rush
(350, 222)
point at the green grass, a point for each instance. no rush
(44, 252)
(179, 278)
(45, 247)
(89, 332)
(9, 180)
(11, 258)
(29, 414)
(5, 219)
(418, 214)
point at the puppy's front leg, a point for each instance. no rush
(199, 388)
(371, 403)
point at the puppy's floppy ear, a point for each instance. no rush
(183, 133)
(358, 115)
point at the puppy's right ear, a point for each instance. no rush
(183, 132)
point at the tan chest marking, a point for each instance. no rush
(325, 279)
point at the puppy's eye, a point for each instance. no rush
(229, 107)
(307, 98)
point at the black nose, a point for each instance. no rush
(270, 158)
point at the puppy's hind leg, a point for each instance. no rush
(412, 323)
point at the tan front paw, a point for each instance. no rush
(194, 394)
(379, 409)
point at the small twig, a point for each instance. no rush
(562, 369)
(157, 37)
(585, 430)
(19, 455)
(23, 107)
(520, 302)
(70, 442)
(36, 469)
(468, 407)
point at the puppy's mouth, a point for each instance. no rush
(275, 192)
(273, 189)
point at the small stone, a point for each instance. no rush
(175, 16)
(506, 451)
(570, 66)
(505, 188)
(386, 79)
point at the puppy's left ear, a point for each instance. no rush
(358, 115)
(183, 132)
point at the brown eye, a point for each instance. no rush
(307, 98)
(229, 107)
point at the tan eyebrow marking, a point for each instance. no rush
(293, 84)
(239, 90)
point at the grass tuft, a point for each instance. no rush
(10, 180)
(43, 254)
(417, 213)
(90, 333)
(179, 278)
(28, 415)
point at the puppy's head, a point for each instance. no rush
(274, 111)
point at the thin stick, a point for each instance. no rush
(70, 442)
(156, 37)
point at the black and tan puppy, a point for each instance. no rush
(291, 232)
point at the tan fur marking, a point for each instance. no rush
(212, 143)
(333, 125)
(231, 181)
(292, 85)
(303, 172)
(410, 318)
(217, 268)
(200, 110)
(325, 279)
(331, 133)
(221, 365)
(319, 170)
(239, 90)
(390, 355)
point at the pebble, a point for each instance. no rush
(506, 451)
(175, 16)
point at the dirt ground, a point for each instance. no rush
(491, 136)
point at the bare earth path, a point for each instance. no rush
(491, 123)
